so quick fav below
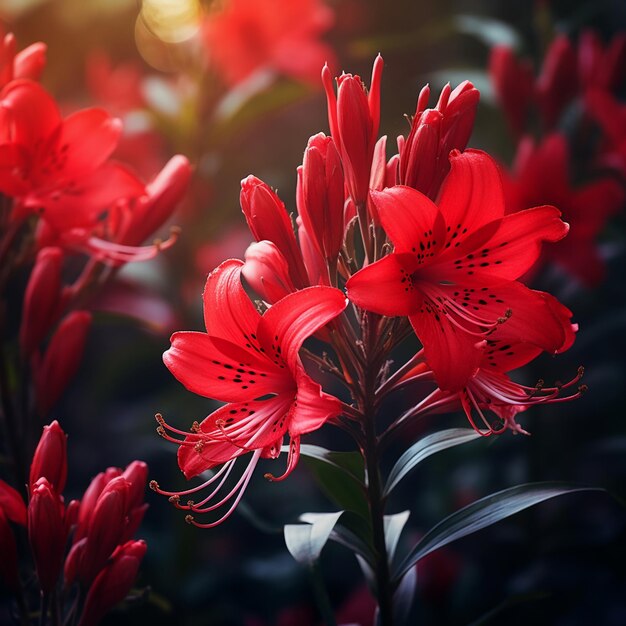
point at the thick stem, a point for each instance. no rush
(376, 504)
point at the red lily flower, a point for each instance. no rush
(243, 358)
(542, 177)
(57, 167)
(490, 390)
(454, 267)
(280, 35)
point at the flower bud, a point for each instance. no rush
(46, 533)
(113, 583)
(513, 82)
(354, 117)
(41, 299)
(61, 359)
(558, 81)
(320, 195)
(50, 458)
(106, 528)
(161, 198)
(268, 220)
(267, 271)
(30, 62)
(90, 498)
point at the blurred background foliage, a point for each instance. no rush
(561, 563)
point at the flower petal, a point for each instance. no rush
(453, 354)
(312, 407)
(228, 311)
(501, 250)
(216, 368)
(286, 325)
(412, 221)
(386, 287)
(472, 193)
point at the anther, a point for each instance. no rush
(199, 446)
(189, 519)
(159, 418)
(154, 485)
(161, 431)
(174, 499)
(191, 503)
(195, 427)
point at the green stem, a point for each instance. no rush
(377, 511)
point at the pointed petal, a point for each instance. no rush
(312, 407)
(501, 250)
(286, 325)
(12, 503)
(228, 311)
(472, 192)
(412, 221)
(386, 287)
(216, 368)
(88, 137)
(453, 355)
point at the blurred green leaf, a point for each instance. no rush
(306, 541)
(483, 513)
(424, 448)
(491, 32)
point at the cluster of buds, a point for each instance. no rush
(68, 209)
(576, 83)
(421, 245)
(104, 558)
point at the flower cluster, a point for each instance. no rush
(66, 203)
(576, 85)
(103, 560)
(422, 244)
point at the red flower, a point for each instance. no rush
(454, 267)
(243, 358)
(541, 176)
(56, 166)
(280, 35)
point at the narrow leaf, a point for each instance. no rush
(403, 597)
(482, 513)
(306, 541)
(423, 448)
(393, 529)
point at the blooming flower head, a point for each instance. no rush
(280, 35)
(541, 176)
(454, 267)
(251, 361)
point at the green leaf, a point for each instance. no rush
(393, 529)
(403, 596)
(482, 513)
(306, 541)
(423, 448)
(340, 475)
(491, 32)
